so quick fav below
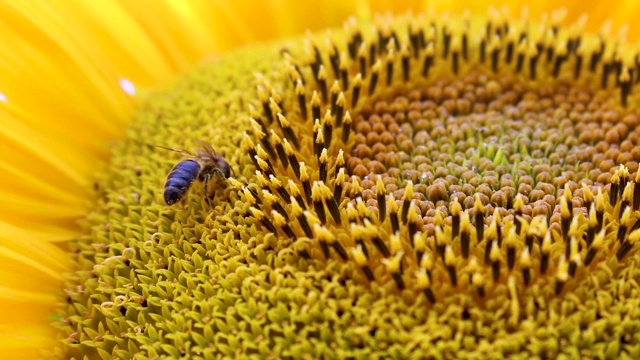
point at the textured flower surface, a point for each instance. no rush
(426, 187)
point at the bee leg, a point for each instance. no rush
(207, 177)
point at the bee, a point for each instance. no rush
(203, 166)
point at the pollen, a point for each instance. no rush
(429, 187)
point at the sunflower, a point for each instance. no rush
(424, 185)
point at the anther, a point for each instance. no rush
(319, 140)
(344, 72)
(357, 232)
(607, 69)
(423, 283)
(302, 99)
(318, 204)
(596, 55)
(533, 55)
(545, 251)
(275, 103)
(272, 200)
(264, 99)
(428, 60)
(389, 60)
(628, 244)
(595, 246)
(532, 232)
(511, 39)
(393, 266)
(355, 91)
(291, 156)
(250, 148)
(346, 128)
(264, 140)
(574, 257)
(593, 225)
(511, 242)
(565, 220)
(317, 60)
(587, 196)
(392, 207)
(306, 184)
(495, 47)
(615, 187)
(495, 261)
(356, 190)
(412, 220)
(479, 219)
(406, 200)
(327, 128)
(450, 263)
(362, 59)
(315, 106)
(600, 207)
(419, 244)
(478, 281)
(380, 197)
(525, 265)
(623, 173)
(442, 241)
(578, 65)
(322, 234)
(251, 198)
(361, 260)
(483, 48)
(323, 164)
(262, 181)
(625, 86)
(624, 224)
(264, 166)
(427, 263)
(281, 222)
(375, 73)
(288, 131)
(280, 149)
(259, 215)
(636, 192)
(340, 105)
(465, 234)
(404, 53)
(374, 235)
(561, 55)
(522, 51)
(562, 275)
(331, 203)
(334, 57)
(335, 91)
(277, 185)
(363, 211)
(322, 84)
(339, 163)
(446, 41)
(338, 185)
(497, 220)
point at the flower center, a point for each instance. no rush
(443, 192)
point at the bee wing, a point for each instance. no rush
(178, 150)
(208, 149)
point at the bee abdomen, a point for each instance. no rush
(179, 180)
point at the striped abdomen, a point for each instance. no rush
(179, 180)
